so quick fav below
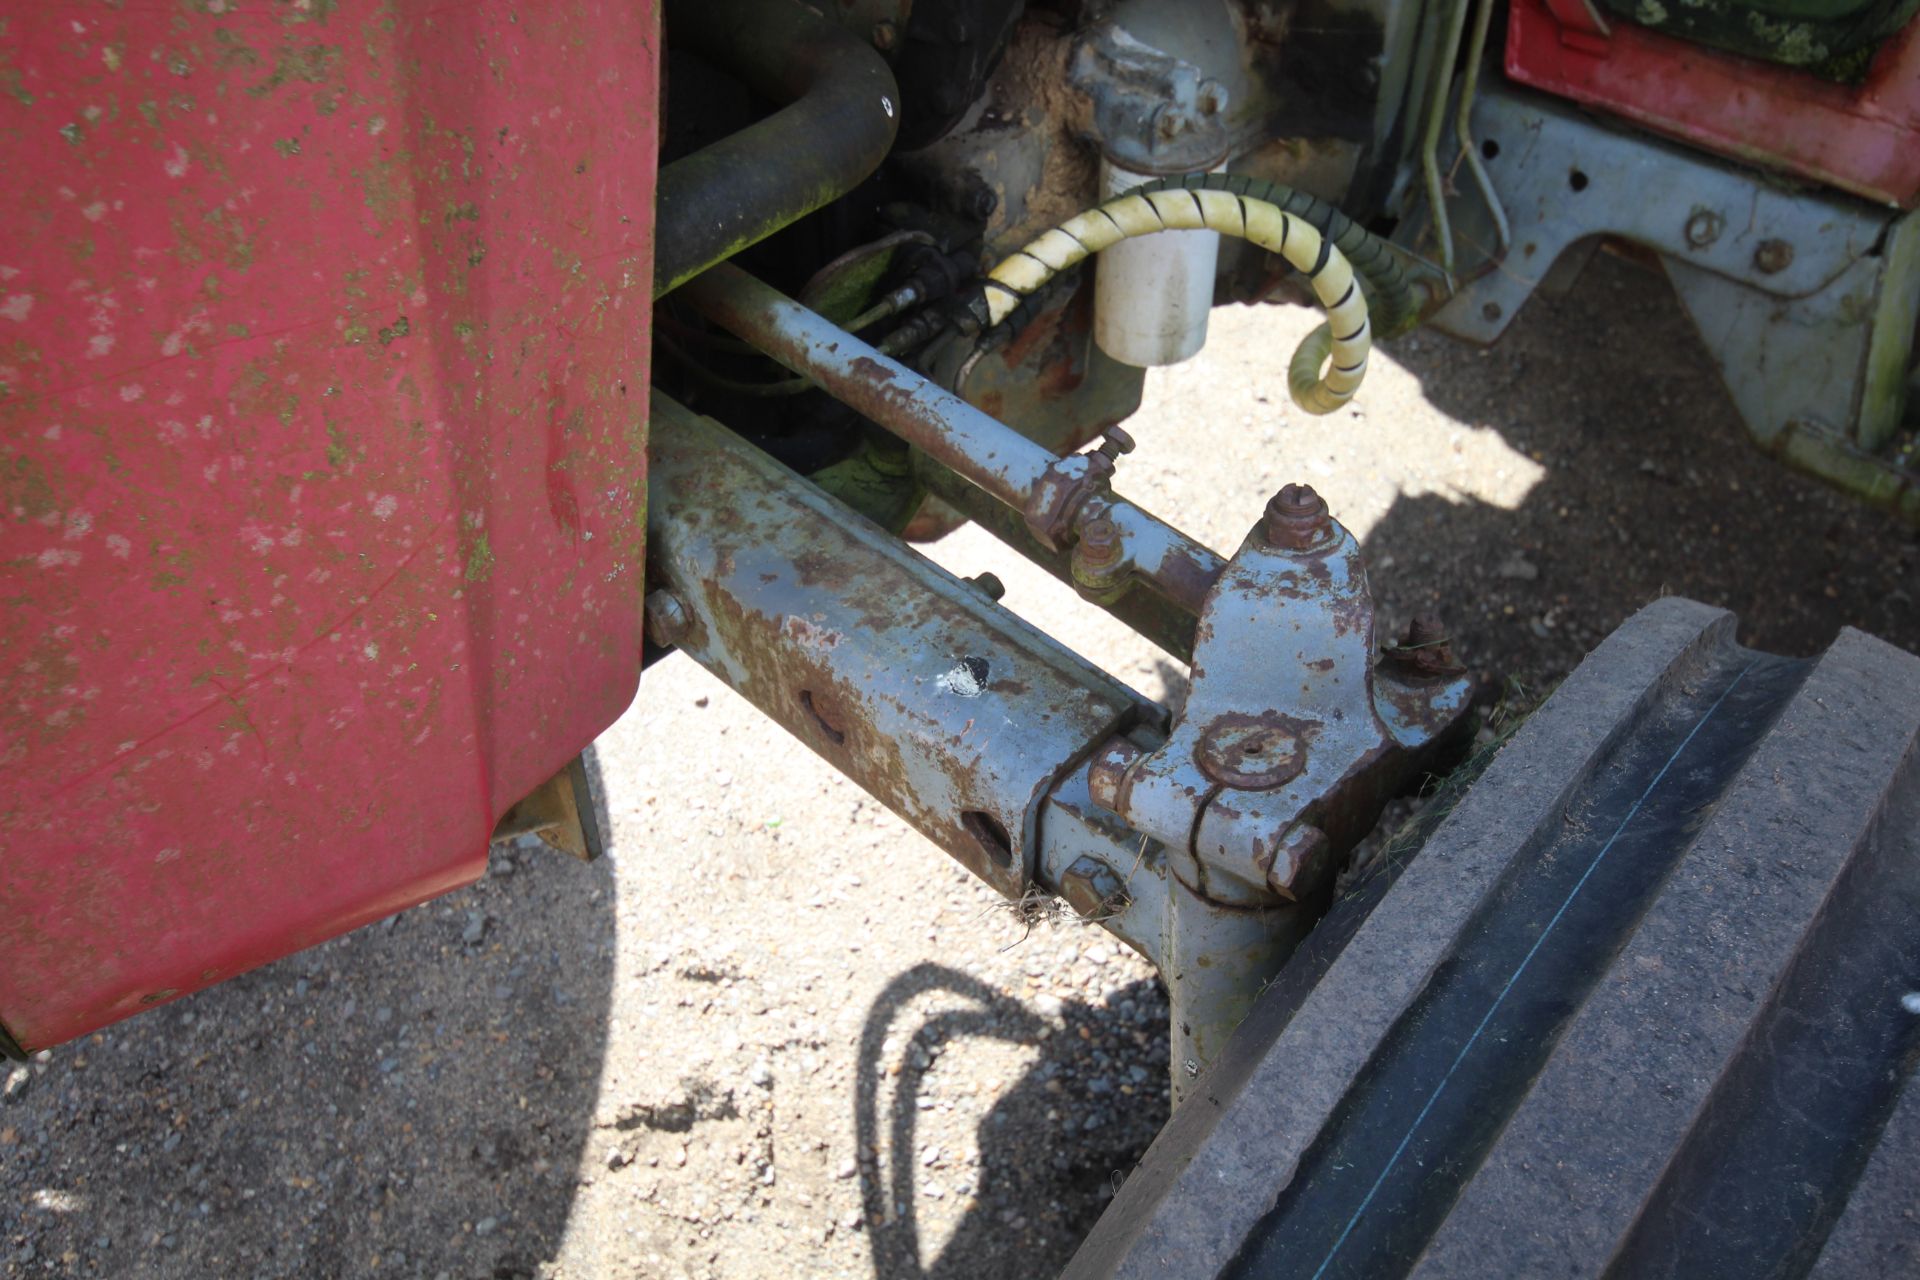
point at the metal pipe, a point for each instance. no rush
(1430, 138)
(1463, 124)
(926, 415)
(1182, 569)
(978, 447)
(1148, 609)
(843, 110)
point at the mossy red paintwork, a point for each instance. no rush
(323, 357)
(1863, 138)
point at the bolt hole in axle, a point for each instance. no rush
(991, 835)
(835, 734)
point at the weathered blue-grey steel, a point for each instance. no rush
(1143, 605)
(1290, 742)
(947, 708)
(1291, 737)
(1020, 758)
(1215, 957)
(966, 721)
(1806, 302)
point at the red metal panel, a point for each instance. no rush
(323, 367)
(1864, 138)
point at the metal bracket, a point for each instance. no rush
(1290, 738)
(1063, 488)
(1807, 303)
(560, 811)
(1564, 177)
(1150, 111)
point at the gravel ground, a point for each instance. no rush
(777, 1034)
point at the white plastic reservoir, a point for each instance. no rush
(1152, 295)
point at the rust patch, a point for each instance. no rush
(1040, 332)
(876, 371)
(1186, 580)
(1254, 752)
(1417, 702)
(818, 569)
(826, 714)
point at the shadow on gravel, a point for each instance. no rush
(410, 1099)
(1652, 488)
(1031, 1209)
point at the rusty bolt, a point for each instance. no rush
(1703, 228)
(1772, 256)
(890, 460)
(1171, 121)
(1213, 98)
(1108, 772)
(1100, 542)
(667, 619)
(1425, 629)
(988, 585)
(1093, 889)
(885, 36)
(1254, 752)
(1301, 858)
(1101, 566)
(1117, 442)
(1426, 649)
(1296, 519)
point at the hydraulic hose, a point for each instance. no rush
(1310, 234)
(1140, 213)
(1393, 305)
(839, 125)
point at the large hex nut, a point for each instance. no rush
(1093, 889)
(1107, 775)
(1300, 861)
(666, 618)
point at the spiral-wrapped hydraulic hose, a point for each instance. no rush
(1392, 302)
(1312, 236)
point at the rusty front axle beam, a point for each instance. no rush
(978, 729)
(1206, 843)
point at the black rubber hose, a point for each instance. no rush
(1395, 308)
(843, 109)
